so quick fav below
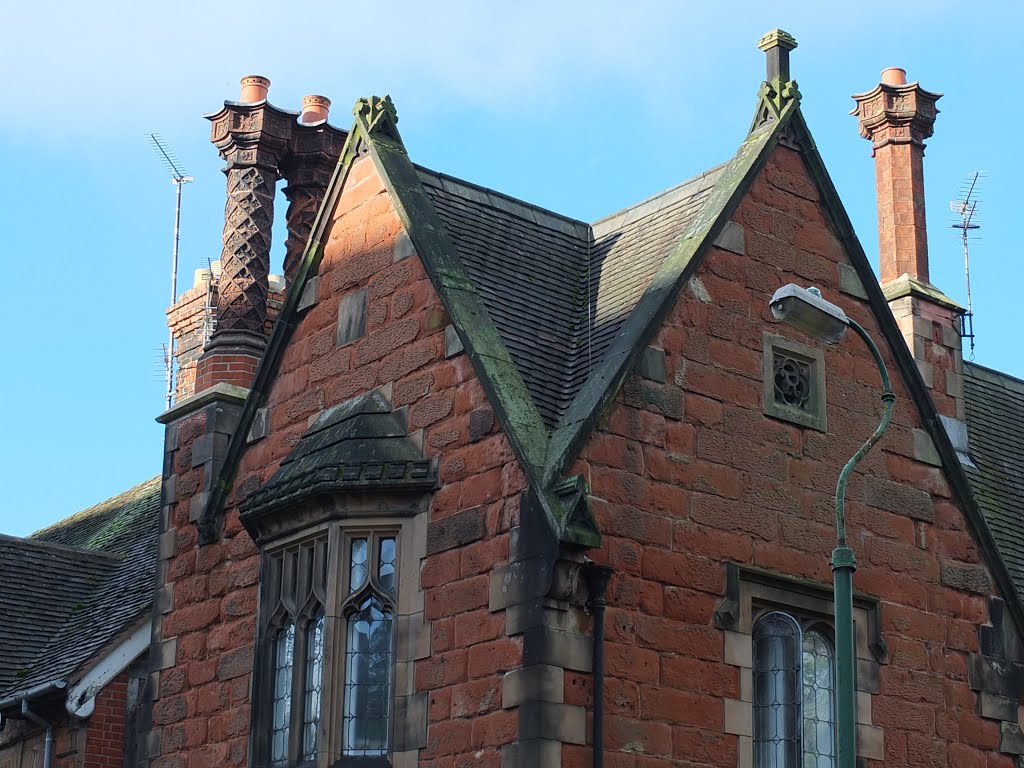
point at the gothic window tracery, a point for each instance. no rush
(794, 693)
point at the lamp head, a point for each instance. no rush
(803, 308)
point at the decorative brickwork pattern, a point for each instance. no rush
(245, 260)
(312, 157)
(252, 139)
(303, 203)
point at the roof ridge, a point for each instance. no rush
(665, 192)
(993, 373)
(505, 196)
(95, 509)
(100, 554)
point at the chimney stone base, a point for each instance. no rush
(930, 324)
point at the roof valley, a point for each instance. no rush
(557, 289)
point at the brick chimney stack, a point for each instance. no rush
(221, 325)
(897, 117)
(252, 137)
(316, 147)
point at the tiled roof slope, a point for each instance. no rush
(995, 423)
(535, 271)
(43, 587)
(110, 525)
(72, 588)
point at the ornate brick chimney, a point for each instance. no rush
(253, 137)
(221, 324)
(316, 147)
(897, 117)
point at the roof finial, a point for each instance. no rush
(778, 90)
(777, 44)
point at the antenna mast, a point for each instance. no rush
(179, 178)
(965, 209)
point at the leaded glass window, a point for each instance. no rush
(314, 684)
(794, 694)
(819, 706)
(284, 656)
(295, 627)
(369, 646)
(327, 615)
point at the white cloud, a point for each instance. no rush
(125, 66)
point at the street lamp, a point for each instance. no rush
(803, 308)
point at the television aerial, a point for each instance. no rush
(179, 178)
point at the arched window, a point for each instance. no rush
(295, 635)
(328, 634)
(819, 700)
(369, 643)
(284, 662)
(794, 694)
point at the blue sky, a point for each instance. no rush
(582, 107)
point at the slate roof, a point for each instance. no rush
(517, 280)
(552, 311)
(73, 587)
(995, 424)
(535, 270)
(356, 445)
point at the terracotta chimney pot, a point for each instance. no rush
(254, 88)
(314, 109)
(894, 76)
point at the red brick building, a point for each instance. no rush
(75, 629)
(388, 521)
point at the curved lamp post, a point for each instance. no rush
(803, 308)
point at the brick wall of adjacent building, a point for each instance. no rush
(98, 741)
(105, 737)
(192, 318)
(688, 474)
(188, 319)
(22, 743)
(208, 602)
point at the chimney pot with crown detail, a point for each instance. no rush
(315, 109)
(254, 88)
(254, 138)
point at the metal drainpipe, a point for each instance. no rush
(597, 581)
(48, 747)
